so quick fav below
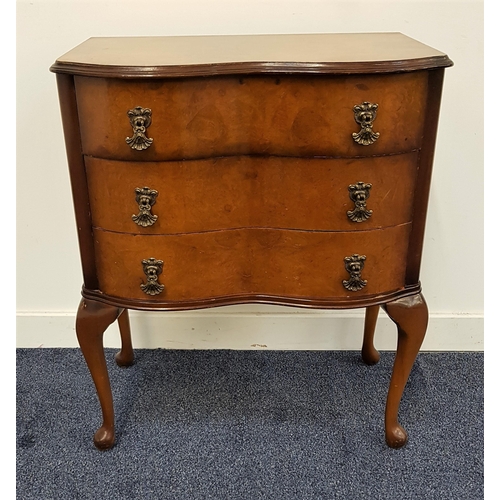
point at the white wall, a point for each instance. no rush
(48, 266)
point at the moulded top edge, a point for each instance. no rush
(224, 54)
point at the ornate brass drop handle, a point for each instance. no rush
(365, 114)
(354, 265)
(145, 198)
(152, 269)
(140, 119)
(359, 193)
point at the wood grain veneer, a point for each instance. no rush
(244, 261)
(227, 115)
(237, 192)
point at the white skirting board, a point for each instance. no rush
(247, 329)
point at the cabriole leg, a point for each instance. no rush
(125, 357)
(411, 317)
(92, 320)
(368, 352)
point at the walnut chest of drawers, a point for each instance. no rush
(279, 169)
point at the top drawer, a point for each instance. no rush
(195, 118)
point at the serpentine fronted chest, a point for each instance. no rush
(279, 169)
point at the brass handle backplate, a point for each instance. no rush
(140, 119)
(365, 114)
(152, 269)
(145, 198)
(354, 265)
(359, 193)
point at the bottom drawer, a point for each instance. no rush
(282, 263)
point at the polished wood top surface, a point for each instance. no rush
(229, 54)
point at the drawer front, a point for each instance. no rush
(196, 118)
(242, 192)
(278, 263)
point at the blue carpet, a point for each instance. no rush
(249, 425)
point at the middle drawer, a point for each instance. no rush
(240, 192)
